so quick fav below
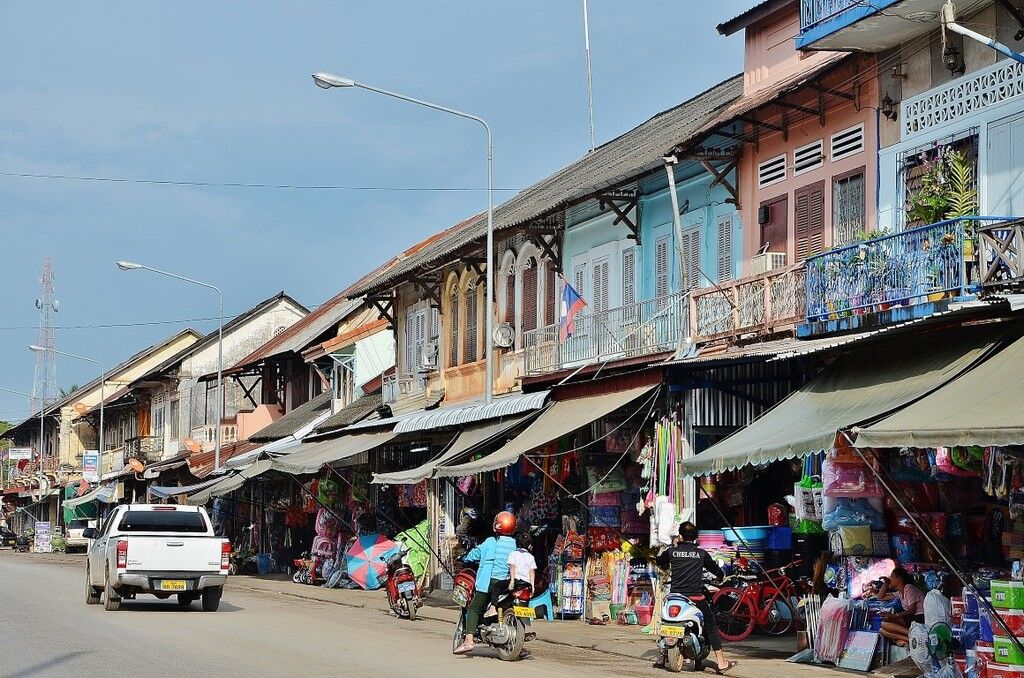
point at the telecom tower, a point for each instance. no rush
(44, 383)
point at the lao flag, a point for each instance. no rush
(572, 303)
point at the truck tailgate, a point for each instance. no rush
(174, 553)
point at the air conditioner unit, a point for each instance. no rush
(428, 356)
(768, 261)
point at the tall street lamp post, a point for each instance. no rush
(103, 395)
(132, 266)
(327, 81)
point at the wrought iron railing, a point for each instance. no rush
(921, 264)
(643, 328)
(813, 12)
(144, 448)
(1001, 253)
(394, 387)
(765, 303)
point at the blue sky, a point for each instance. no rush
(220, 92)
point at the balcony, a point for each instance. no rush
(764, 304)
(856, 25)
(644, 328)
(1001, 255)
(397, 387)
(146, 449)
(206, 435)
(907, 275)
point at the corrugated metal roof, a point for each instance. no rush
(755, 13)
(455, 416)
(359, 409)
(612, 164)
(294, 420)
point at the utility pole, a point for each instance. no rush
(590, 80)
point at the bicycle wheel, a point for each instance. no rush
(775, 615)
(734, 614)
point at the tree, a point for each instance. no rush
(65, 392)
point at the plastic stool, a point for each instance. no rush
(544, 600)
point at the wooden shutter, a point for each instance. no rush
(691, 250)
(629, 277)
(510, 297)
(724, 225)
(810, 219)
(453, 337)
(661, 267)
(410, 342)
(579, 279)
(530, 298)
(551, 293)
(472, 310)
(600, 302)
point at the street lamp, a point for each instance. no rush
(103, 396)
(328, 81)
(42, 431)
(132, 266)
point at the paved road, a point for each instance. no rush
(46, 629)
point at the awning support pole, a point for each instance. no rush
(934, 544)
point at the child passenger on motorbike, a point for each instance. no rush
(688, 562)
(492, 555)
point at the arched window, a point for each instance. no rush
(530, 295)
(453, 336)
(472, 333)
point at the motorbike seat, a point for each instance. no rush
(676, 596)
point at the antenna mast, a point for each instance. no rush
(44, 383)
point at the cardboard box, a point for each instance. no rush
(1008, 595)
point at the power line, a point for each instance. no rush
(242, 184)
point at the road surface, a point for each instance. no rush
(48, 630)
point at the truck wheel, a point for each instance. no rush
(185, 599)
(111, 601)
(92, 594)
(211, 598)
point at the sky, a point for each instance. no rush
(220, 93)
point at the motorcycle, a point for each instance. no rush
(403, 592)
(505, 631)
(307, 569)
(682, 634)
(22, 543)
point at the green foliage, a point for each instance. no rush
(947, 190)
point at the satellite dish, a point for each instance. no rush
(136, 465)
(56, 305)
(504, 335)
(80, 408)
(39, 303)
(191, 445)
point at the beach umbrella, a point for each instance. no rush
(363, 560)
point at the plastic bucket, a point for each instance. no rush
(263, 563)
(644, 614)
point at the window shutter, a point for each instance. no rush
(421, 334)
(724, 249)
(530, 298)
(691, 244)
(510, 297)
(600, 302)
(410, 342)
(661, 268)
(802, 224)
(579, 279)
(810, 220)
(550, 294)
(629, 277)
(435, 323)
(472, 309)
(453, 338)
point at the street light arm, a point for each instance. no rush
(428, 104)
(181, 277)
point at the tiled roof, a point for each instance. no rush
(612, 164)
(359, 409)
(201, 463)
(294, 420)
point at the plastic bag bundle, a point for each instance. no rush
(833, 627)
(849, 480)
(936, 608)
(846, 512)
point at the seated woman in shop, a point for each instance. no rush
(899, 585)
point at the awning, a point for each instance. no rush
(104, 493)
(981, 407)
(470, 437)
(311, 457)
(456, 415)
(857, 388)
(230, 483)
(164, 491)
(561, 417)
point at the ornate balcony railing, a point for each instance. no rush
(1001, 254)
(394, 387)
(813, 12)
(146, 449)
(643, 328)
(765, 303)
(207, 434)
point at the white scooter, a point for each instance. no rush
(682, 635)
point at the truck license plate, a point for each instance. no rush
(673, 631)
(407, 586)
(525, 612)
(172, 585)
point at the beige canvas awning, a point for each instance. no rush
(310, 457)
(470, 437)
(981, 407)
(858, 388)
(229, 483)
(561, 417)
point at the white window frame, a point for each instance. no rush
(785, 170)
(820, 144)
(832, 143)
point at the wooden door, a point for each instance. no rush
(809, 218)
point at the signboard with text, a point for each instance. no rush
(43, 536)
(19, 453)
(90, 466)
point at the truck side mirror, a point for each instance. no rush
(90, 533)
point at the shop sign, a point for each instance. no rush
(19, 453)
(91, 466)
(43, 544)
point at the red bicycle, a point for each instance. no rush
(754, 601)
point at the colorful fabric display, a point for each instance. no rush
(904, 548)
(849, 480)
(849, 511)
(602, 539)
(604, 516)
(853, 540)
(606, 499)
(909, 465)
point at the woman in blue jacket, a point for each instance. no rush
(492, 555)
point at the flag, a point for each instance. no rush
(572, 303)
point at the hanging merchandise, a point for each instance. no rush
(833, 627)
(328, 491)
(664, 522)
(849, 480)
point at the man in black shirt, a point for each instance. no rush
(687, 563)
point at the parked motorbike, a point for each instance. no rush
(402, 589)
(682, 634)
(22, 544)
(307, 569)
(505, 631)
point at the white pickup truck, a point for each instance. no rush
(160, 549)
